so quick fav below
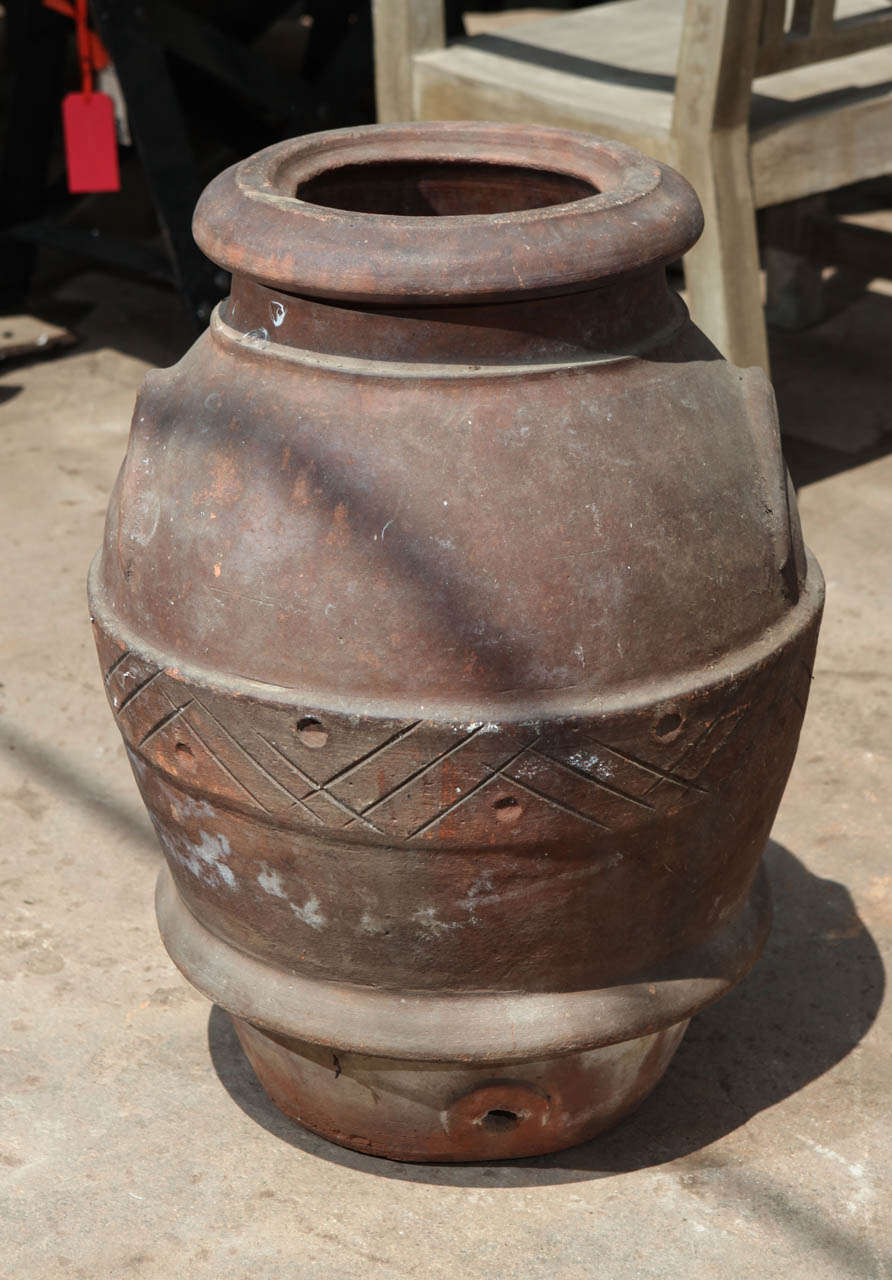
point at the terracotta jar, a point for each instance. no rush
(454, 610)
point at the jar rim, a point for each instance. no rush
(640, 214)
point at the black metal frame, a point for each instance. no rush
(138, 35)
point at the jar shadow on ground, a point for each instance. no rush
(810, 1000)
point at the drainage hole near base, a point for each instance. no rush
(499, 1107)
(499, 1120)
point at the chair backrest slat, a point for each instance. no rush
(814, 34)
(774, 14)
(800, 22)
(822, 17)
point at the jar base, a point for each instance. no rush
(449, 1112)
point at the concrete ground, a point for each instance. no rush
(135, 1140)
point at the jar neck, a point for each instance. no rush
(626, 316)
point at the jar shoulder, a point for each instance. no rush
(471, 532)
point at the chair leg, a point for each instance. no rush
(401, 29)
(794, 288)
(722, 270)
(794, 291)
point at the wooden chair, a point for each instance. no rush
(757, 102)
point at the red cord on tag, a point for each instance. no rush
(88, 121)
(98, 52)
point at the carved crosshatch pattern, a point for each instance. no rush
(421, 780)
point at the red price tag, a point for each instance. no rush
(91, 144)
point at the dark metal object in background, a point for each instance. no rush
(189, 71)
(454, 610)
(36, 38)
(159, 133)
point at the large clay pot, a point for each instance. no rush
(454, 610)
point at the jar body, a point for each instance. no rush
(462, 697)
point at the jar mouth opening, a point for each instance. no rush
(445, 211)
(441, 188)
